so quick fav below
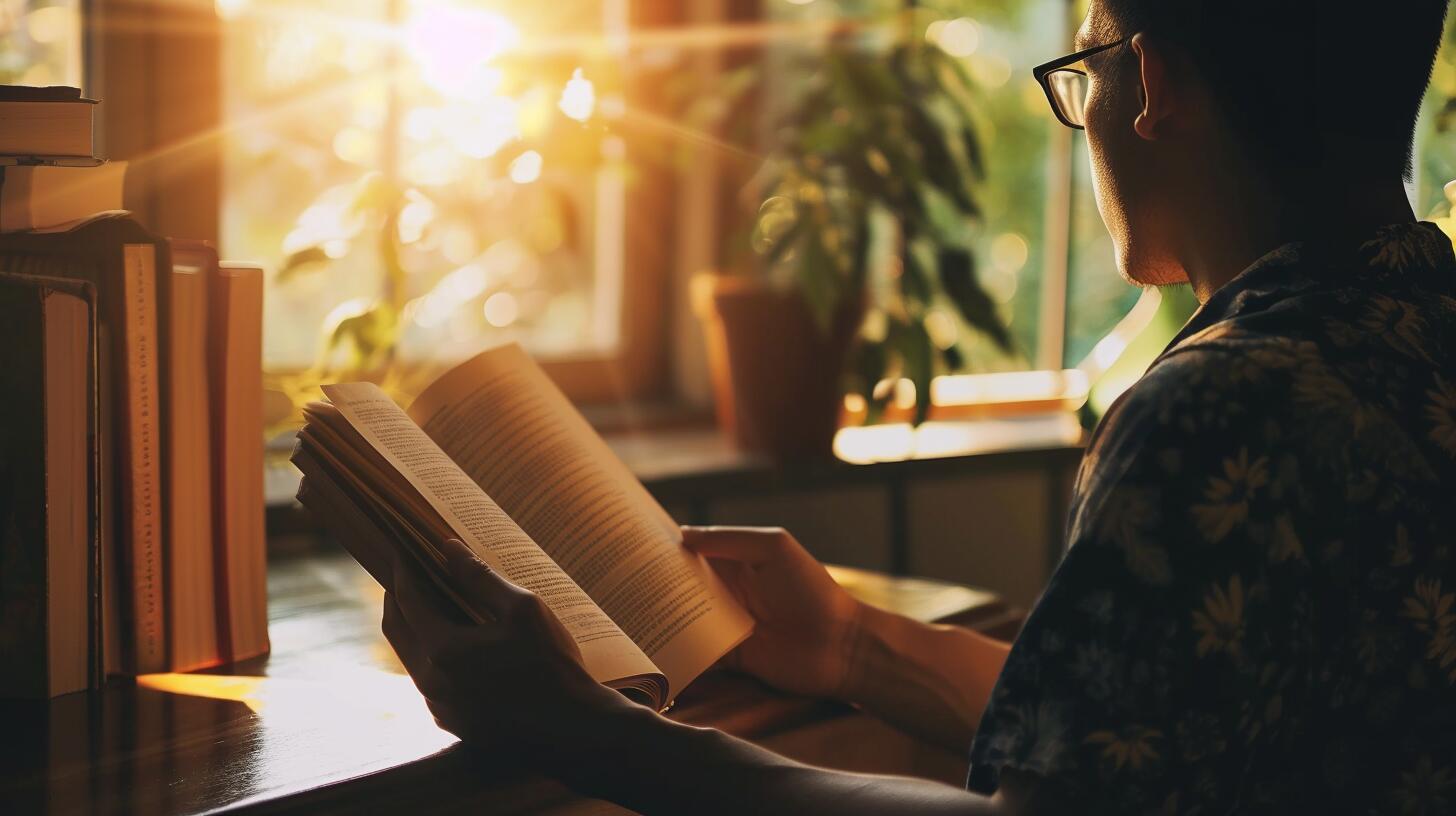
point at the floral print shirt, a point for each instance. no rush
(1257, 609)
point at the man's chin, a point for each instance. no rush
(1145, 275)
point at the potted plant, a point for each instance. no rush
(864, 229)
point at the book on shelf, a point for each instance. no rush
(492, 453)
(49, 525)
(235, 354)
(191, 600)
(46, 122)
(121, 259)
(48, 196)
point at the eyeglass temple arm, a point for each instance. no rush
(1071, 59)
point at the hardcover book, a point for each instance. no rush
(48, 121)
(49, 534)
(121, 259)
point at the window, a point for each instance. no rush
(410, 171)
(397, 156)
(431, 156)
(1435, 148)
(40, 43)
(425, 178)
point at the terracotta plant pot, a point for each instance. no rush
(776, 375)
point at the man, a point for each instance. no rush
(1257, 612)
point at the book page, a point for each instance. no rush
(606, 652)
(507, 425)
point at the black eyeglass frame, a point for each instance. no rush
(1041, 72)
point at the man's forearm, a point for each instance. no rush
(653, 765)
(931, 681)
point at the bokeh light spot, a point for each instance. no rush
(578, 98)
(960, 37)
(526, 167)
(501, 309)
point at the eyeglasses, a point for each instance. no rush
(1066, 84)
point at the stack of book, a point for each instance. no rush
(131, 474)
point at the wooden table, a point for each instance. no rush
(327, 722)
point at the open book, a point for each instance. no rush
(492, 453)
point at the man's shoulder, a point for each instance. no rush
(1345, 379)
(1207, 383)
(1228, 394)
(1332, 341)
(1334, 322)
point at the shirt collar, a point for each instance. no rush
(1410, 254)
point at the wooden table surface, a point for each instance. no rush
(328, 722)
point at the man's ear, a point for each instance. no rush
(1155, 86)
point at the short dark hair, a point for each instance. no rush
(1303, 81)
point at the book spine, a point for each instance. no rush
(141, 461)
(67, 488)
(241, 558)
(108, 534)
(94, 588)
(24, 511)
(191, 606)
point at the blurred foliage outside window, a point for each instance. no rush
(1434, 166)
(423, 179)
(40, 43)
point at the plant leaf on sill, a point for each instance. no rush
(958, 276)
(301, 261)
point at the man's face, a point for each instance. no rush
(1127, 176)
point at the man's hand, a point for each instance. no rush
(813, 638)
(805, 637)
(515, 681)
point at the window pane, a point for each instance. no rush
(431, 177)
(1097, 295)
(1013, 38)
(1435, 160)
(40, 43)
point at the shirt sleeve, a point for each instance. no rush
(1161, 659)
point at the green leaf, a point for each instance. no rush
(917, 279)
(868, 367)
(860, 253)
(865, 82)
(954, 80)
(953, 358)
(941, 138)
(945, 222)
(825, 137)
(917, 352)
(301, 261)
(371, 334)
(863, 179)
(785, 242)
(374, 192)
(958, 277)
(817, 278)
